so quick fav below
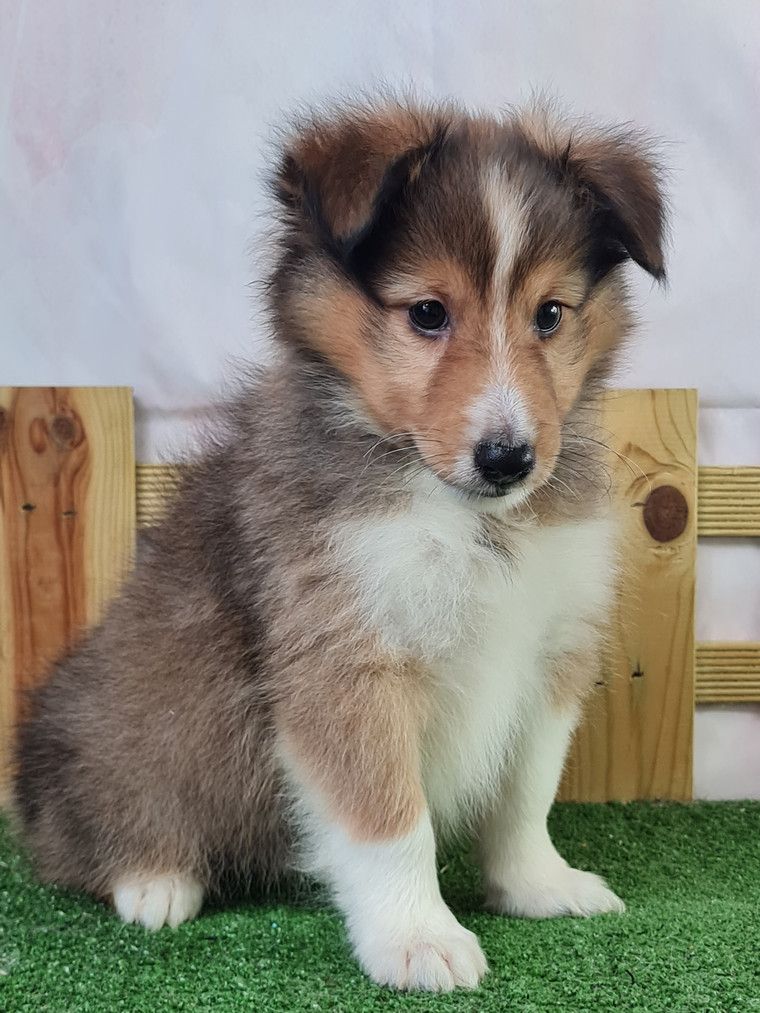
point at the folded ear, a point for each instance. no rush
(337, 175)
(620, 179)
(615, 178)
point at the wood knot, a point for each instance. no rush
(38, 435)
(666, 513)
(67, 431)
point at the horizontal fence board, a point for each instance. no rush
(155, 486)
(728, 673)
(728, 499)
(728, 502)
(725, 672)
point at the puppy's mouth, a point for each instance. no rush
(465, 478)
(488, 495)
(494, 473)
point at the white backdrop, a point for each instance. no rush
(133, 139)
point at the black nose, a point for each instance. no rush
(502, 464)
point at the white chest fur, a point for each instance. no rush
(484, 622)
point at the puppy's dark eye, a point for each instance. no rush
(548, 316)
(429, 316)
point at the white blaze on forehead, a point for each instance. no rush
(500, 410)
(506, 208)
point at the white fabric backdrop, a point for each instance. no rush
(133, 137)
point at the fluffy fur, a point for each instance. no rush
(344, 640)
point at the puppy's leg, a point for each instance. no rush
(355, 764)
(524, 873)
(402, 932)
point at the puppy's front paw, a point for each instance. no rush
(154, 901)
(551, 893)
(430, 959)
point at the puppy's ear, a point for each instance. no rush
(621, 181)
(615, 178)
(339, 175)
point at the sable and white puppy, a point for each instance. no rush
(374, 610)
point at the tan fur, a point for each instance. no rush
(348, 714)
(353, 737)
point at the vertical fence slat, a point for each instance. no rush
(636, 740)
(67, 523)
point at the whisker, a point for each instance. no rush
(630, 464)
(556, 481)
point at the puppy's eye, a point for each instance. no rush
(548, 316)
(429, 316)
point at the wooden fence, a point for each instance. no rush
(71, 497)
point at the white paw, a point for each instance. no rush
(549, 893)
(168, 899)
(430, 959)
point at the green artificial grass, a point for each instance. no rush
(690, 940)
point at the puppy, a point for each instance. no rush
(374, 609)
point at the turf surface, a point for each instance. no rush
(690, 940)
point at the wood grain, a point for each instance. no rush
(636, 739)
(67, 523)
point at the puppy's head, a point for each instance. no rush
(463, 274)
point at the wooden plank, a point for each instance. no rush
(636, 739)
(728, 673)
(67, 523)
(729, 502)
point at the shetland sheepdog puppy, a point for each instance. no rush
(374, 611)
